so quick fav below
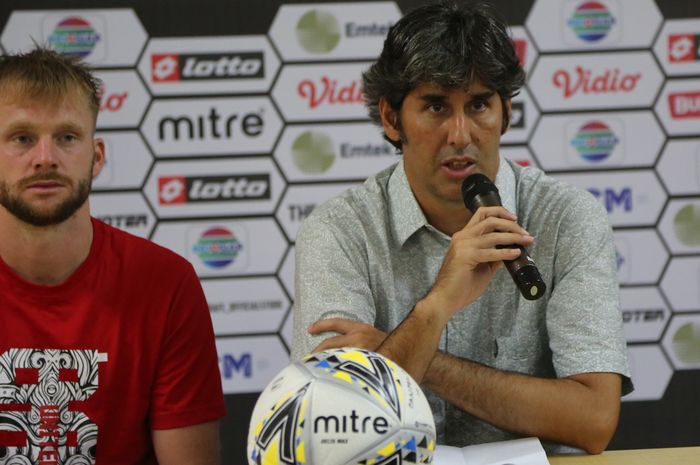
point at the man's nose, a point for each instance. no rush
(44, 153)
(458, 131)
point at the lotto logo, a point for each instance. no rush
(172, 190)
(683, 48)
(165, 67)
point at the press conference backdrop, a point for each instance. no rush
(227, 122)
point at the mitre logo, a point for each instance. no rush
(684, 105)
(585, 81)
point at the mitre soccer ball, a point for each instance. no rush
(342, 407)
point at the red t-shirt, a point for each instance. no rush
(91, 366)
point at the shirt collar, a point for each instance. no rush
(407, 216)
(505, 183)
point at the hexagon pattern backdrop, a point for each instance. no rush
(220, 145)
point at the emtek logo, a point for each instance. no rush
(318, 31)
(174, 190)
(232, 366)
(591, 21)
(683, 48)
(313, 152)
(170, 67)
(612, 199)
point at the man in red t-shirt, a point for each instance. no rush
(107, 351)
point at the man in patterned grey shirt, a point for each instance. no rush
(399, 265)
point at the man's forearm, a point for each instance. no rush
(581, 411)
(414, 342)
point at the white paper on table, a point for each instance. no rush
(527, 451)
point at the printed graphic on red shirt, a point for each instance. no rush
(40, 418)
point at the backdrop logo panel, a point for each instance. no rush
(214, 187)
(245, 305)
(519, 154)
(682, 341)
(103, 38)
(333, 152)
(299, 201)
(678, 47)
(644, 314)
(678, 107)
(651, 372)
(247, 364)
(631, 199)
(680, 226)
(524, 47)
(320, 92)
(598, 140)
(332, 31)
(641, 257)
(675, 283)
(124, 210)
(211, 126)
(524, 115)
(596, 81)
(127, 161)
(558, 25)
(679, 167)
(209, 65)
(123, 101)
(225, 247)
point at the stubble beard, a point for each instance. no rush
(26, 213)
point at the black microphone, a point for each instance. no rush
(479, 191)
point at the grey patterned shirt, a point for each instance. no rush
(369, 255)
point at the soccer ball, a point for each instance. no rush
(342, 407)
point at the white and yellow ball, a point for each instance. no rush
(342, 407)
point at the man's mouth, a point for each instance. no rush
(459, 164)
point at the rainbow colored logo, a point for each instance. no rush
(74, 36)
(591, 21)
(217, 247)
(594, 141)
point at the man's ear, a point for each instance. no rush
(389, 120)
(508, 109)
(99, 157)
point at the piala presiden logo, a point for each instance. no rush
(686, 224)
(313, 152)
(318, 31)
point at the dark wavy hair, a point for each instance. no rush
(46, 74)
(447, 43)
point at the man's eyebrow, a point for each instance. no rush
(485, 95)
(433, 97)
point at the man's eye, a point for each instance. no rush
(23, 139)
(479, 105)
(436, 107)
(69, 138)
